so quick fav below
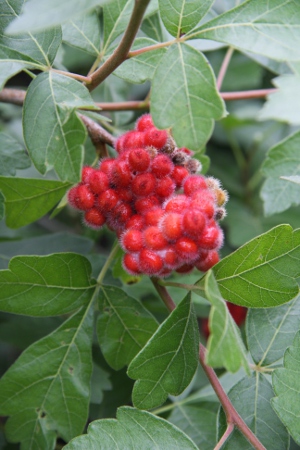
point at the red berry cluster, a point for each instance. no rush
(164, 214)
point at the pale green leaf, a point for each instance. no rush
(46, 285)
(46, 391)
(251, 398)
(152, 27)
(225, 347)
(116, 16)
(12, 155)
(134, 430)
(140, 68)
(286, 384)
(197, 422)
(270, 331)
(124, 326)
(282, 160)
(269, 28)
(53, 133)
(184, 96)
(10, 68)
(26, 199)
(38, 15)
(262, 273)
(284, 104)
(179, 16)
(84, 32)
(173, 349)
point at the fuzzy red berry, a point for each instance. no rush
(193, 222)
(143, 205)
(185, 268)
(211, 238)
(132, 240)
(131, 263)
(177, 204)
(153, 216)
(133, 139)
(98, 182)
(143, 184)
(187, 249)
(106, 165)
(136, 221)
(144, 123)
(150, 262)
(204, 201)
(238, 312)
(155, 138)
(86, 173)
(107, 200)
(94, 218)
(139, 159)
(171, 226)
(171, 258)
(154, 238)
(81, 197)
(204, 264)
(193, 183)
(121, 214)
(125, 195)
(165, 187)
(179, 174)
(121, 174)
(161, 166)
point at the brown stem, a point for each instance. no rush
(121, 52)
(229, 430)
(232, 415)
(76, 76)
(97, 134)
(244, 95)
(150, 48)
(14, 96)
(124, 106)
(224, 67)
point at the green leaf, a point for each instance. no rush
(286, 384)
(134, 430)
(116, 15)
(10, 68)
(184, 96)
(37, 15)
(46, 285)
(284, 104)
(251, 398)
(50, 106)
(198, 423)
(179, 16)
(292, 179)
(84, 32)
(262, 273)
(225, 347)
(140, 68)
(172, 349)
(46, 391)
(2, 207)
(282, 160)
(270, 331)
(152, 27)
(26, 199)
(124, 326)
(12, 155)
(43, 245)
(267, 28)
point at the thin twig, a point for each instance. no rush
(76, 76)
(14, 96)
(124, 106)
(97, 134)
(224, 67)
(245, 95)
(121, 52)
(151, 48)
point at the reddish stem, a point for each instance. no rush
(224, 67)
(229, 430)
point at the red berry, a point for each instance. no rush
(171, 226)
(187, 249)
(133, 139)
(107, 200)
(161, 166)
(171, 258)
(94, 218)
(193, 222)
(238, 312)
(138, 159)
(121, 174)
(143, 205)
(154, 239)
(98, 182)
(121, 214)
(144, 122)
(106, 165)
(81, 197)
(185, 268)
(211, 238)
(165, 187)
(143, 184)
(204, 264)
(85, 174)
(131, 263)
(153, 216)
(136, 221)
(185, 150)
(155, 138)
(203, 200)
(179, 174)
(125, 195)
(193, 183)
(150, 262)
(132, 240)
(177, 204)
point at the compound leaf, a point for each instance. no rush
(282, 160)
(133, 429)
(124, 326)
(12, 155)
(184, 96)
(251, 398)
(179, 16)
(286, 384)
(270, 331)
(268, 28)
(45, 285)
(173, 349)
(262, 273)
(27, 199)
(46, 391)
(225, 347)
(53, 133)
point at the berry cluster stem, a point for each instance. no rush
(232, 416)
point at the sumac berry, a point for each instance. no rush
(138, 159)
(107, 200)
(204, 264)
(133, 139)
(86, 173)
(187, 249)
(136, 221)
(121, 174)
(177, 204)
(143, 205)
(211, 238)
(81, 197)
(154, 238)
(193, 222)
(94, 218)
(165, 187)
(150, 262)
(132, 240)
(179, 174)
(161, 166)
(144, 122)
(131, 263)
(143, 184)
(153, 216)
(98, 182)
(156, 138)
(193, 183)
(171, 226)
